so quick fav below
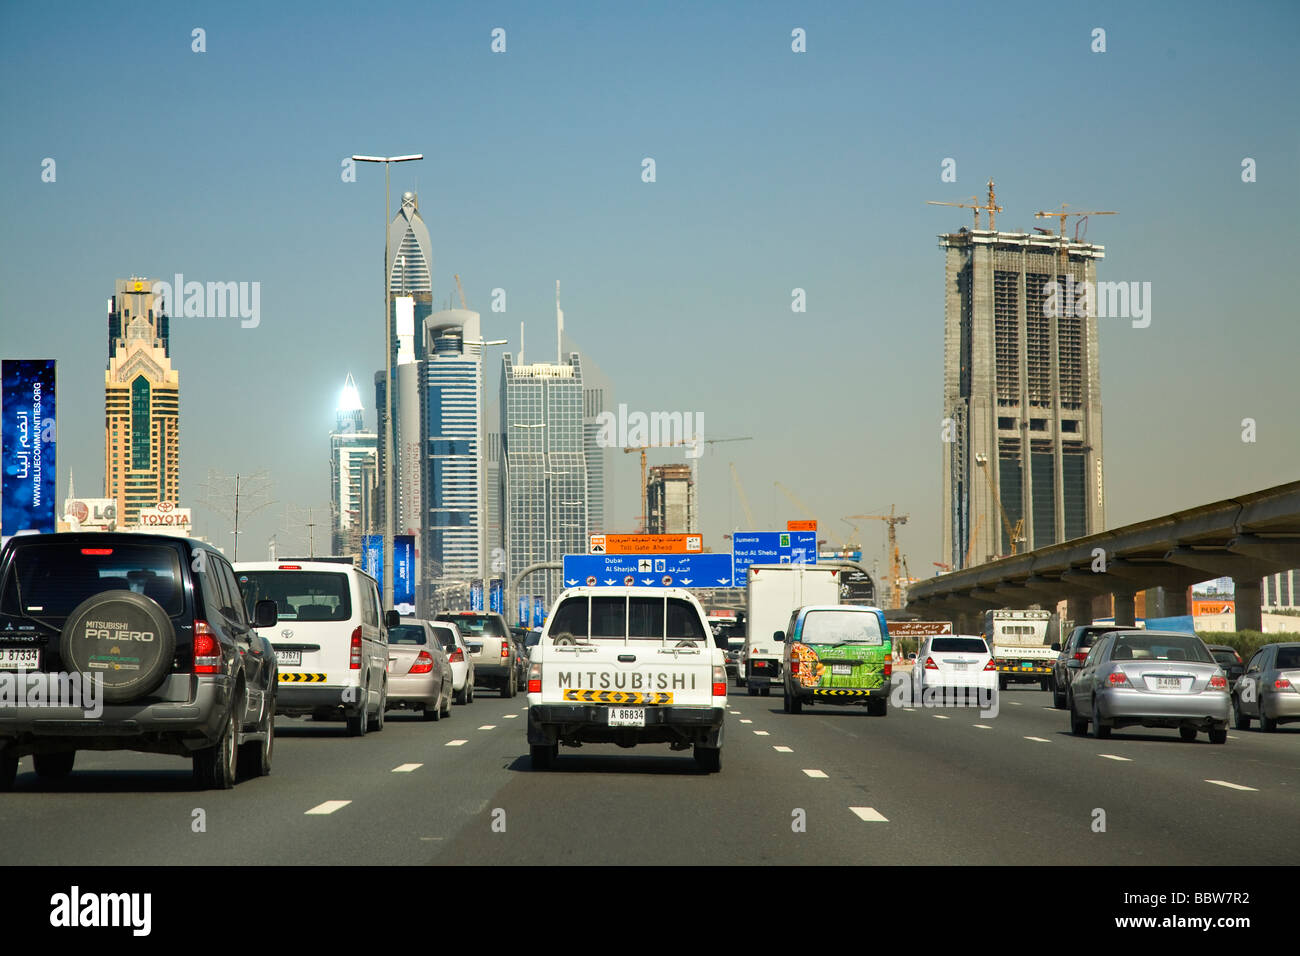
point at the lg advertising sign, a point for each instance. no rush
(27, 447)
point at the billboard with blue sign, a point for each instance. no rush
(372, 558)
(404, 576)
(539, 611)
(770, 547)
(523, 610)
(476, 594)
(703, 570)
(496, 595)
(27, 447)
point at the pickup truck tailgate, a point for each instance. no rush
(651, 675)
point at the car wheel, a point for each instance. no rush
(462, 695)
(1003, 683)
(1058, 697)
(255, 756)
(543, 755)
(446, 703)
(8, 772)
(1266, 723)
(359, 722)
(1045, 684)
(1078, 725)
(1218, 735)
(216, 767)
(796, 705)
(752, 690)
(1187, 733)
(379, 717)
(766, 691)
(1240, 720)
(508, 686)
(470, 692)
(708, 759)
(431, 711)
(54, 766)
(878, 708)
(1099, 730)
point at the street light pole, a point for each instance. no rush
(390, 485)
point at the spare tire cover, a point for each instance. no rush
(124, 637)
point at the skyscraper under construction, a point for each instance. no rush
(1022, 463)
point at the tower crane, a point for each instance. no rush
(896, 562)
(1014, 534)
(1061, 214)
(460, 291)
(990, 206)
(672, 444)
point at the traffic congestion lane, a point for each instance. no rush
(972, 794)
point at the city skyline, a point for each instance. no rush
(763, 215)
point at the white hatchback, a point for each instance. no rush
(953, 661)
(330, 640)
(462, 664)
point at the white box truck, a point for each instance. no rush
(1020, 645)
(774, 592)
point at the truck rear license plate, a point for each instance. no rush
(627, 716)
(289, 658)
(20, 659)
(1027, 665)
(843, 670)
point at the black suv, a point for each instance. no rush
(158, 625)
(1070, 657)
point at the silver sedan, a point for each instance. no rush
(1269, 690)
(1151, 678)
(419, 674)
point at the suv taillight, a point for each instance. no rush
(989, 666)
(794, 666)
(207, 652)
(534, 678)
(719, 681)
(505, 647)
(930, 665)
(354, 658)
(423, 664)
(889, 668)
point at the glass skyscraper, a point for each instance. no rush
(353, 453)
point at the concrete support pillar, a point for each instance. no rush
(1079, 610)
(1125, 609)
(1172, 602)
(1249, 614)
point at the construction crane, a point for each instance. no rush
(744, 499)
(990, 206)
(1061, 214)
(896, 562)
(1013, 533)
(835, 539)
(461, 292)
(641, 449)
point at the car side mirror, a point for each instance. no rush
(1056, 646)
(392, 618)
(265, 614)
(778, 636)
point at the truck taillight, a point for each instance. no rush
(423, 664)
(354, 658)
(930, 665)
(207, 653)
(535, 678)
(719, 681)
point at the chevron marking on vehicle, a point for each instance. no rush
(839, 692)
(588, 696)
(302, 678)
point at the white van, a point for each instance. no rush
(330, 641)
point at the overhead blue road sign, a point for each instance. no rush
(771, 547)
(703, 570)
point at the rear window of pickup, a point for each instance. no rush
(639, 618)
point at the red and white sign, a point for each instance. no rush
(165, 515)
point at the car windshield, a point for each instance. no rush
(49, 579)
(966, 645)
(1226, 658)
(1288, 657)
(477, 625)
(1160, 647)
(406, 634)
(299, 595)
(840, 627)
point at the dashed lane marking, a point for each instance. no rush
(761, 733)
(509, 716)
(1232, 786)
(869, 814)
(1040, 740)
(1116, 757)
(488, 727)
(456, 743)
(940, 716)
(982, 726)
(779, 749)
(1015, 703)
(817, 774)
(329, 806)
(746, 721)
(407, 767)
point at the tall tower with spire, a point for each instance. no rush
(353, 454)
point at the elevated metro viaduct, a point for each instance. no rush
(1245, 538)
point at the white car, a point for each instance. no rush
(330, 641)
(953, 661)
(462, 664)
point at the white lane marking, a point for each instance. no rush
(1049, 708)
(407, 767)
(816, 773)
(1231, 737)
(488, 727)
(735, 711)
(1041, 740)
(761, 733)
(869, 814)
(1232, 786)
(329, 806)
(1116, 757)
(779, 749)
(746, 721)
(509, 716)
(939, 716)
(1015, 703)
(908, 710)
(982, 726)
(456, 743)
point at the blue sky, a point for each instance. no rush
(775, 170)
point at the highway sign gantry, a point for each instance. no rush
(708, 570)
(645, 544)
(770, 547)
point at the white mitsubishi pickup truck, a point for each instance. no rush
(628, 666)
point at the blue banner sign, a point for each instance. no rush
(27, 447)
(372, 558)
(404, 576)
(496, 595)
(771, 547)
(476, 594)
(539, 611)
